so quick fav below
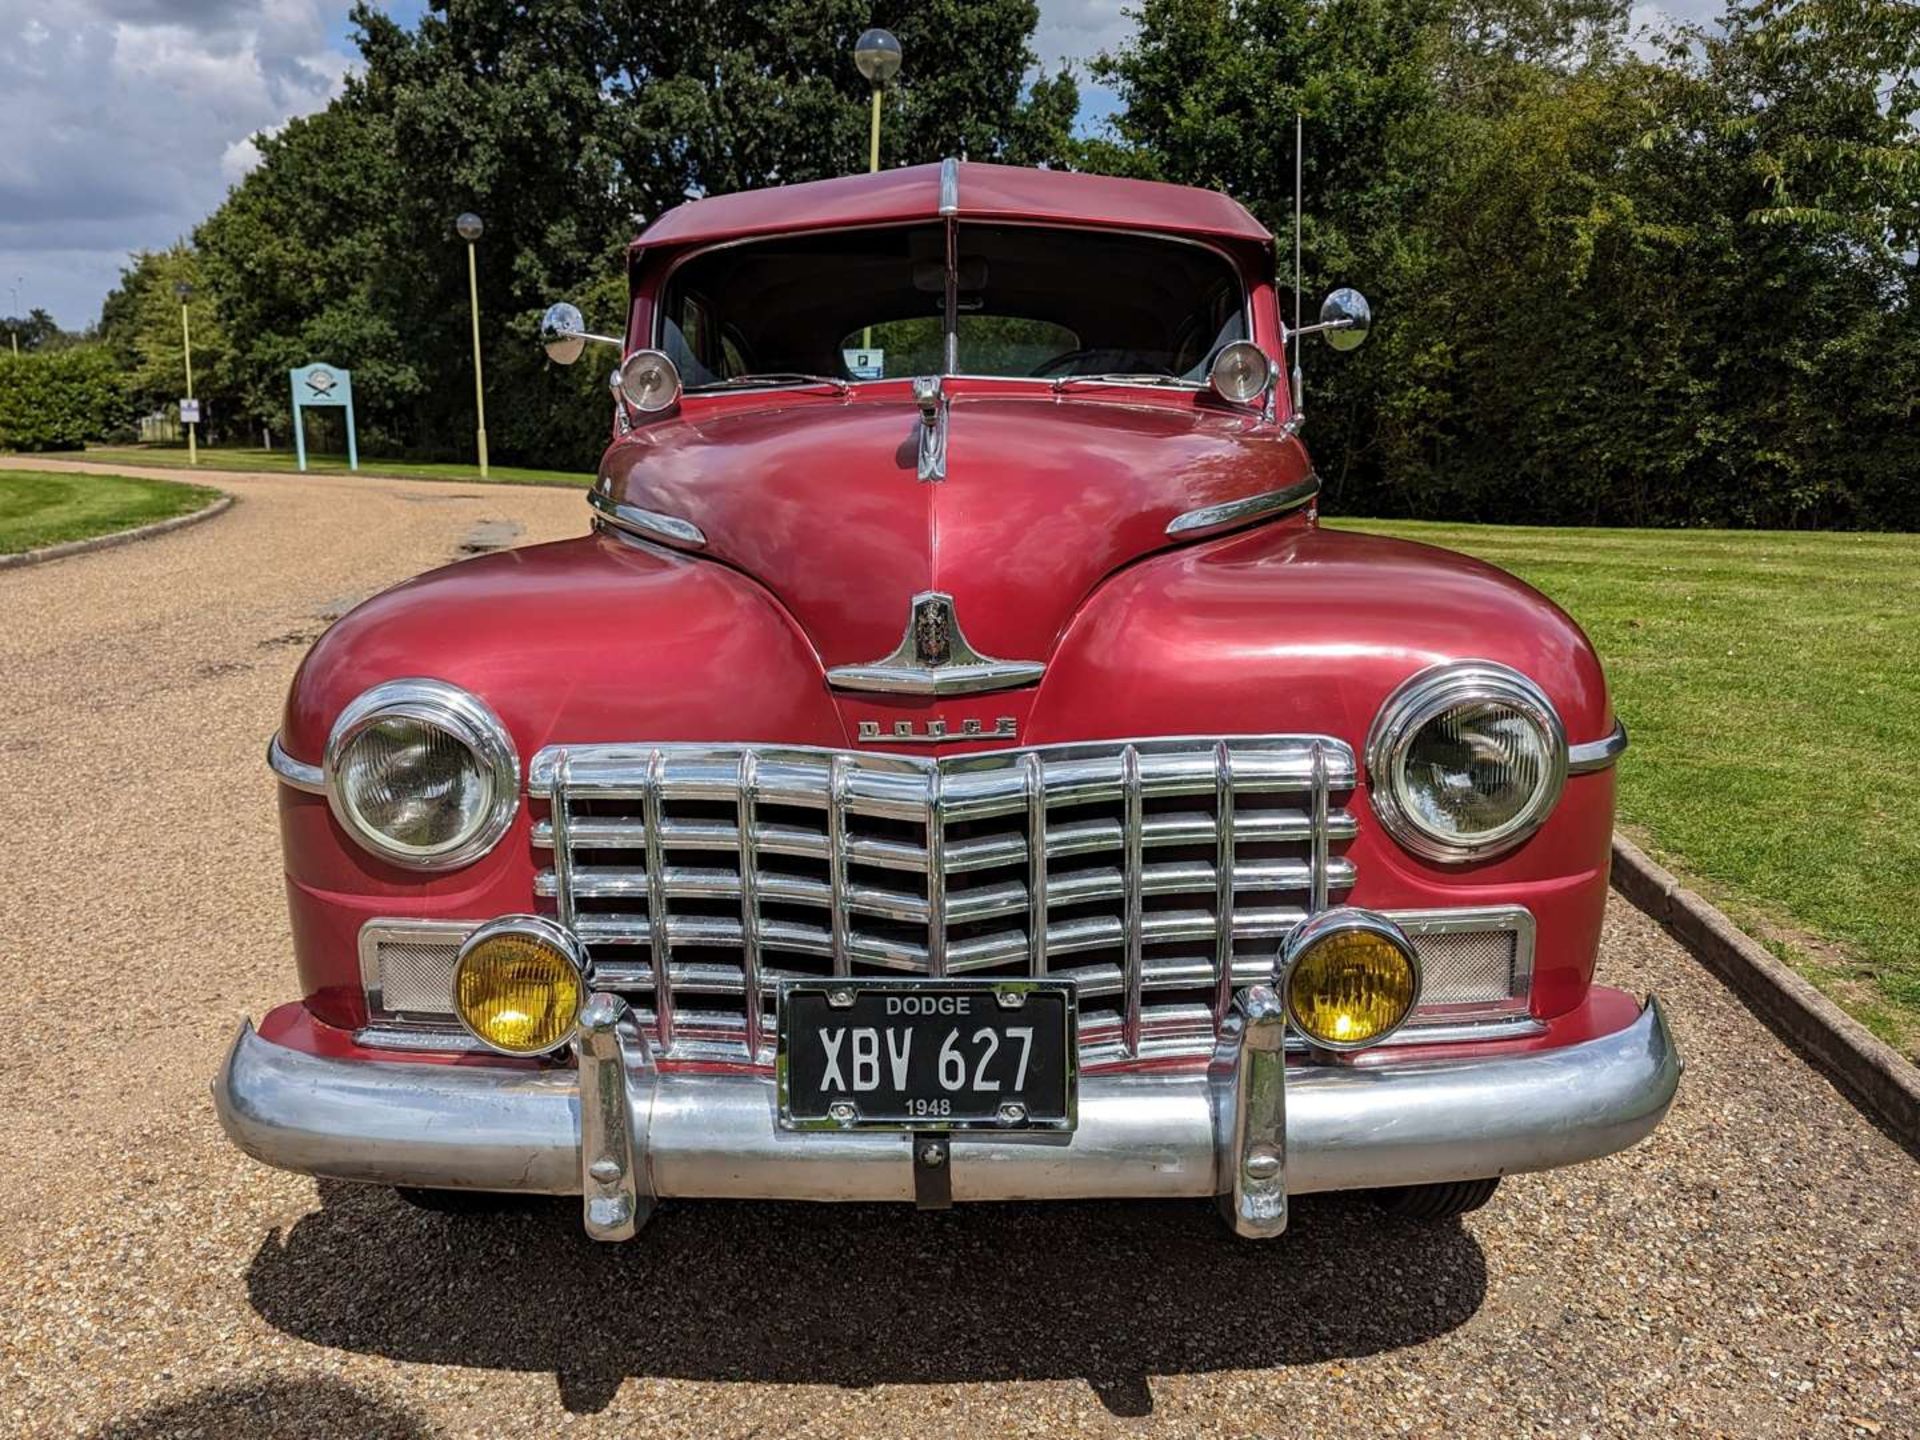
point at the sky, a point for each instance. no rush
(124, 122)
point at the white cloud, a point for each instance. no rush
(1077, 30)
(126, 121)
(1073, 32)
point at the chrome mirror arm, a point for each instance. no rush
(1346, 322)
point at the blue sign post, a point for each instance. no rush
(322, 385)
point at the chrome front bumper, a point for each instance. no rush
(1246, 1130)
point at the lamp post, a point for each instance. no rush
(469, 228)
(13, 318)
(877, 56)
(185, 292)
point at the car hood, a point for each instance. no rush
(820, 500)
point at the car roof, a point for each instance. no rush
(969, 189)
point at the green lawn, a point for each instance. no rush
(1771, 685)
(253, 458)
(39, 508)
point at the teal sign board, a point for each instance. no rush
(326, 386)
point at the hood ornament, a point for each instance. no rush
(932, 403)
(934, 658)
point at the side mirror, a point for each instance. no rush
(1346, 317)
(563, 330)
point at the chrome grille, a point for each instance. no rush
(1156, 874)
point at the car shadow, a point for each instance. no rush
(859, 1295)
(270, 1410)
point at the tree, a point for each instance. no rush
(564, 123)
(140, 322)
(36, 330)
(1667, 290)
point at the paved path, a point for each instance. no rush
(1754, 1269)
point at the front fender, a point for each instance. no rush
(1296, 629)
(593, 639)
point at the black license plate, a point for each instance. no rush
(927, 1055)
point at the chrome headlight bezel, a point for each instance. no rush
(457, 713)
(1422, 698)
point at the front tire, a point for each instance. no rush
(1429, 1203)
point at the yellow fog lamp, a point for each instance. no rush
(1352, 978)
(519, 984)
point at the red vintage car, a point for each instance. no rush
(956, 766)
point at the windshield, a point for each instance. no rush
(1028, 301)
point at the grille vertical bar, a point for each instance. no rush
(837, 773)
(562, 842)
(1134, 973)
(936, 875)
(749, 851)
(1034, 774)
(1319, 822)
(1223, 874)
(661, 948)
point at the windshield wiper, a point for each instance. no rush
(1119, 378)
(773, 377)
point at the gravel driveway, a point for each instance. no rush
(1753, 1269)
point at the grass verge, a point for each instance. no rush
(40, 508)
(1769, 681)
(284, 461)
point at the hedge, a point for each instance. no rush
(61, 399)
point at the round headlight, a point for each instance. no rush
(1352, 978)
(422, 773)
(649, 381)
(1467, 760)
(519, 984)
(1240, 372)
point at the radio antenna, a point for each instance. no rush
(1295, 337)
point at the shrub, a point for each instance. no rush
(59, 400)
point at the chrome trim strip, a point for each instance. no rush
(297, 773)
(419, 1038)
(492, 1127)
(953, 667)
(1594, 755)
(647, 524)
(1244, 510)
(950, 186)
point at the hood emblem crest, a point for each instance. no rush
(933, 629)
(934, 658)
